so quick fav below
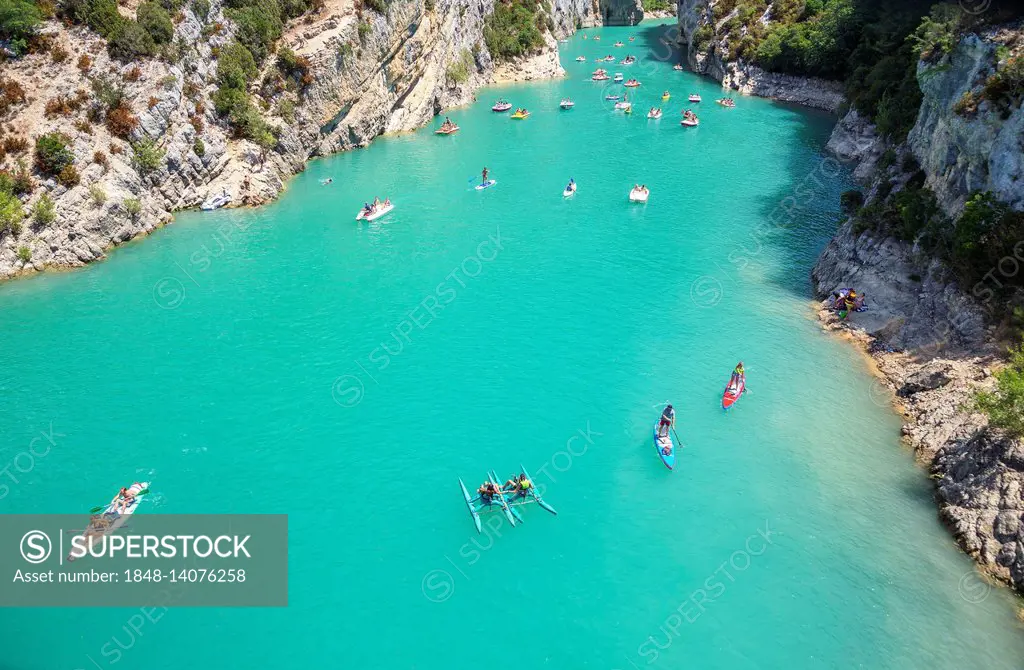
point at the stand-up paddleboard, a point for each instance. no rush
(733, 392)
(666, 449)
(487, 184)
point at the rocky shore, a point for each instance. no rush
(929, 338)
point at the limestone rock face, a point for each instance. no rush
(621, 12)
(959, 153)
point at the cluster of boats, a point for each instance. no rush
(519, 490)
(628, 60)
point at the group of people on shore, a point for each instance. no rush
(847, 300)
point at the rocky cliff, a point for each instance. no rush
(369, 73)
(707, 52)
(929, 337)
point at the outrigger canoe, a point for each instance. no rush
(112, 516)
(533, 493)
(505, 499)
(733, 392)
(666, 449)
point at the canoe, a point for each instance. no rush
(661, 444)
(533, 492)
(639, 196)
(569, 191)
(733, 392)
(504, 501)
(118, 518)
(472, 509)
(447, 131)
(379, 212)
(487, 184)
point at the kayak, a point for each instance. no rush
(503, 501)
(487, 184)
(733, 392)
(376, 214)
(533, 492)
(666, 449)
(472, 510)
(569, 191)
(447, 131)
(116, 516)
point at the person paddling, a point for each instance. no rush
(738, 375)
(668, 421)
(484, 176)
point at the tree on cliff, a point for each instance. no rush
(19, 19)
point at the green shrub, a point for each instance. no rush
(11, 213)
(986, 233)
(235, 67)
(458, 71)
(100, 15)
(133, 206)
(147, 156)
(19, 20)
(363, 28)
(155, 20)
(1005, 405)
(201, 8)
(257, 26)
(24, 254)
(130, 42)
(69, 176)
(286, 110)
(98, 195)
(198, 148)
(511, 30)
(108, 93)
(937, 34)
(702, 37)
(52, 153)
(379, 6)
(851, 201)
(1005, 88)
(43, 212)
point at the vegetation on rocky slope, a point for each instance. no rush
(1005, 405)
(516, 28)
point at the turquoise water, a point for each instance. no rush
(287, 359)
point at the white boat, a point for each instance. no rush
(216, 201)
(569, 190)
(624, 105)
(375, 214)
(581, 59)
(111, 518)
(654, 114)
(618, 77)
(690, 122)
(694, 97)
(501, 106)
(677, 66)
(611, 97)
(566, 104)
(639, 195)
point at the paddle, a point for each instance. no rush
(95, 510)
(681, 445)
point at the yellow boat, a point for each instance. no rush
(520, 115)
(665, 96)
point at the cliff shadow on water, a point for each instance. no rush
(798, 219)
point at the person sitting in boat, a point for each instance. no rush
(486, 492)
(387, 202)
(738, 374)
(668, 420)
(572, 185)
(123, 499)
(524, 484)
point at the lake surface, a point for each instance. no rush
(289, 359)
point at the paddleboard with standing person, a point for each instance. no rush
(662, 438)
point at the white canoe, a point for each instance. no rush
(376, 214)
(116, 516)
(569, 191)
(638, 196)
